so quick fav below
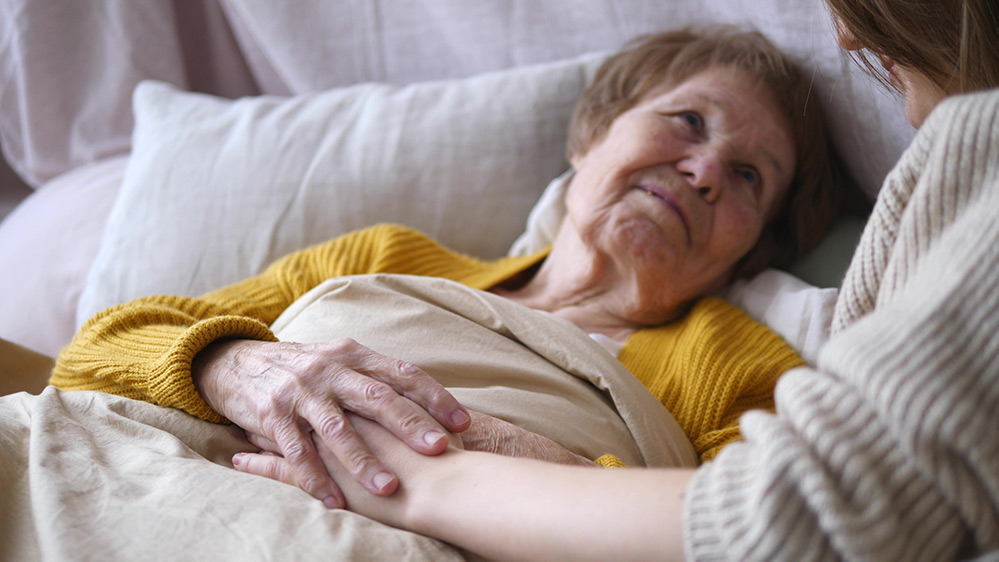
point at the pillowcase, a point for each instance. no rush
(216, 189)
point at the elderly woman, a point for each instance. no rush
(887, 450)
(696, 157)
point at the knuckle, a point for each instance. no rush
(441, 397)
(276, 402)
(277, 429)
(338, 372)
(295, 451)
(334, 427)
(275, 470)
(408, 372)
(346, 345)
(378, 392)
(410, 423)
(308, 367)
(310, 483)
(361, 464)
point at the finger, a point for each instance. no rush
(276, 467)
(412, 382)
(406, 420)
(421, 388)
(374, 434)
(332, 427)
(306, 467)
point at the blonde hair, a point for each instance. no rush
(955, 43)
(648, 63)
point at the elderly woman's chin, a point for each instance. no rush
(661, 209)
(649, 238)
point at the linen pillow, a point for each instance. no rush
(216, 189)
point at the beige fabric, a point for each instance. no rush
(528, 367)
(86, 475)
(92, 476)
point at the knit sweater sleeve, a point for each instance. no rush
(887, 450)
(143, 349)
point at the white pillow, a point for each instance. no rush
(798, 311)
(216, 189)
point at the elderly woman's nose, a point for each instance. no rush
(705, 173)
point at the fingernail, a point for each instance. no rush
(432, 437)
(236, 460)
(382, 480)
(459, 418)
(330, 502)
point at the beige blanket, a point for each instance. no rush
(86, 475)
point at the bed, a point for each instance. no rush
(176, 147)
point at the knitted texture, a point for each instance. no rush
(888, 451)
(609, 461)
(699, 368)
(707, 368)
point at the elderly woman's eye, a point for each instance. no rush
(693, 119)
(750, 175)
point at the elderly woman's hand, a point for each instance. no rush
(281, 392)
(493, 435)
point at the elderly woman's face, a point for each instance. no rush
(681, 186)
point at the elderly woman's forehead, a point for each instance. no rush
(664, 81)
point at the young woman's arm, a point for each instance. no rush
(503, 507)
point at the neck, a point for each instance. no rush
(580, 285)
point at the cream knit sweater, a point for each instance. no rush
(889, 450)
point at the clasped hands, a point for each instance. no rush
(281, 393)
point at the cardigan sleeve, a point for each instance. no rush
(144, 349)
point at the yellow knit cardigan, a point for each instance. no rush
(706, 368)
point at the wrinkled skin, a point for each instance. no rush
(485, 434)
(282, 392)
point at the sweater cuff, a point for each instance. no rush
(171, 381)
(718, 505)
(610, 461)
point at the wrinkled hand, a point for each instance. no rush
(493, 435)
(394, 452)
(388, 447)
(281, 392)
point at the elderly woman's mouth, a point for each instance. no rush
(669, 201)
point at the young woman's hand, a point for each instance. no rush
(283, 392)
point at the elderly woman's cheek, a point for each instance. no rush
(739, 232)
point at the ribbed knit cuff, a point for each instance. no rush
(718, 496)
(171, 382)
(610, 461)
